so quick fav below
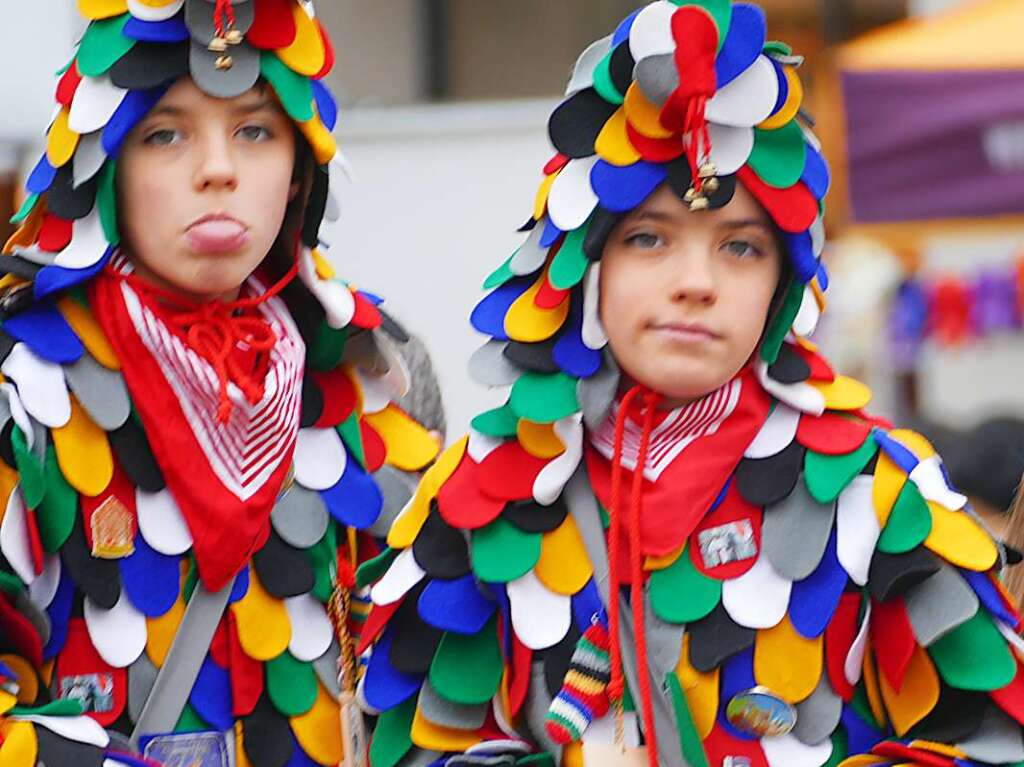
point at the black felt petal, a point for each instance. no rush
(316, 206)
(136, 457)
(58, 751)
(602, 223)
(19, 267)
(724, 194)
(577, 122)
(558, 658)
(284, 570)
(6, 346)
(98, 579)
(892, 575)
(66, 202)
(441, 550)
(6, 448)
(312, 403)
(148, 65)
(393, 327)
(764, 481)
(716, 638)
(534, 357)
(789, 367)
(621, 67)
(1013, 555)
(530, 517)
(267, 736)
(679, 176)
(416, 641)
(529, 226)
(956, 716)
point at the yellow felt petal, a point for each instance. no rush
(306, 53)
(46, 672)
(8, 481)
(613, 145)
(20, 748)
(701, 691)
(89, 332)
(264, 629)
(958, 539)
(539, 439)
(871, 686)
(540, 202)
(160, 632)
(28, 682)
(666, 560)
(83, 453)
(61, 142)
(324, 270)
(863, 760)
(643, 114)
(572, 755)
(787, 663)
(843, 393)
(791, 107)
(563, 565)
(27, 233)
(7, 701)
(918, 695)
(528, 323)
(407, 526)
(434, 737)
(410, 447)
(938, 748)
(319, 729)
(886, 487)
(320, 139)
(914, 442)
(102, 9)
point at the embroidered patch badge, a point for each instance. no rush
(94, 691)
(191, 749)
(112, 530)
(728, 543)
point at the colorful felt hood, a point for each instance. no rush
(131, 53)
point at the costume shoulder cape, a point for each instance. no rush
(97, 561)
(871, 603)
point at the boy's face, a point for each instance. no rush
(203, 186)
(685, 296)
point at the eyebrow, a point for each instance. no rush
(745, 223)
(663, 216)
(249, 107)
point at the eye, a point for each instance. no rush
(163, 137)
(742, 249)
(645, 240)
(255, 133)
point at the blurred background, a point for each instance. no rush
(919, 103)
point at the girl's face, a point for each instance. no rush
(203, 186)
(685, 296)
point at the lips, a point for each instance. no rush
(685, 332)
(216, 233)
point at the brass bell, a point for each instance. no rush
(217, 45)
(708, 170)
(224, 62)
(234, 37)
(711, 185)
(700, 203)
(691, 195)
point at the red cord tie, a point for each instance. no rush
(226, 34)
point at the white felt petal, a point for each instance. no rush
(1015, 640)
(44, 588)
(497, 746)
(397, 380)
(482, 445)
(80, 729)
(801, 396)
(593, 333)
(14, 538)
(857, 528)
(806, 320)
(377, 394)
(787, 751)
(651, 33)
(41, 386)
(757, 599)
(145, 12)
(319, 458)
(572, 199)
(531, 254)
(817, 231)
(540, 617)
(335, 298)
(730, 147)
(162, 523)
(811, 138)
(88, 243)
(403, 574)
(930, 480)
(96, 99)
(583, 72)
(776, 434)
(89, 157)
(748, 99)
(119, 634)
(18, 413)
(552, 478)
(854, 664)
(311, 628)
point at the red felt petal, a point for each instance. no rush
(1011, 698)
(820, 369)
(732, 509)
(339, 395)
(893, 641)
(719, 745)
(508, 473)
(376, 621)
(19, 633)
(555, 164)
(328, 52)
(839, 636)
(915, 756)
(832, 433)
(366, 315)
(461, 502)
(793, 209)
(219, 645)
(656, 149)
(120, 490)
(54, 234)
(246, 674)
(520, 672)
(79, 658)
(374, 449)
(68, 85)
(35, 541)
(550, 297)
(273, 27)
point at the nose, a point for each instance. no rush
(694, 279)
(216, 167)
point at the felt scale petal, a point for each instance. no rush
(457, 605)
(908, 525)
(844, 394)
(355, 500)
(540, 616)
(500, 552)
(306, 53)
(154, 10)
(102, 44)
(682, 577)
(314, 638)
(150, 579)
(814, 599)
(162, 523)
(544, 398)
(857, 527)
(467, 669)
(133, 107)
(160, 632)
(779, 156)
(61, 141)
(583, 71)
(489, 315)
(45, 331)
(959, 539)
(211, 695)
(785, 112)
(776, 434)
(794, 209)
(622, 189)
(88, 245)
(730, 148)
(759, 598)
(403, 574)
(43, 590)
(613, 143)
(292, 89)
(119, 634)
(88, 331)
(83, 453)
(827, 476)
(974, 656)
(409, 446)
(291, 685)
(264, 628)
(787, 751)
(320, 458)
(14, 539)
(571, 200)
(40, 386)
(564, 567)
(20, 747)
(651, 31)
(742, 44)
(795, 533)
(172, 30)
(643, 116)
(932, 481)
(529, 321)
(317, 732)
(747, 100)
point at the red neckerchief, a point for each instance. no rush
(218, 387)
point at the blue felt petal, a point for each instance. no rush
(721, 495)
(46, 333)
(134, 106)
(989, 596)
(456, 606)
(816, 173)
(41, 177)
(299, 758)
(573, 356)
(6, 672)
(550, 235)
(620, 189)
(780, 74)
(801, 255)
(325, 105)
(211, 695)
(54, 279)
(489, 315)
(900, 455)
(373, 298)
(588, 607)
(822, 277)
(241, 585)
(737, 677)
(743, 43)
(384, 686)
(173, 30)
(862, 736)
(500, 594)
(150, 578)
(60, 615)
(815, 598)
(355, 500)
(624, 28)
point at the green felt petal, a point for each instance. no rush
(190, 721)
(56, 517)
(294, 90)
(501, 552)
(974, 656)
(570, 263)
(467, 669)
(779, 156)
(59, 707)
(291, 684)
(352, 436)
(106, 199)
(25, 209)
(103, 45)
(828, 475)
(778, 47)
(840, 749)
(543, 397)
(536, 760)
(719, 10)
(500, 422)
(322, 555)
(782, 323)
(603, 80)
(11, 584)
(689, 738)
(30, 470)
(372, 570)
(501, 275)
(681, 593)
(909, 523)
(392, 735)
(328, 346)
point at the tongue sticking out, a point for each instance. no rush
(222, 235)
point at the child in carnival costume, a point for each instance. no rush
(681, 540)
(199, 443)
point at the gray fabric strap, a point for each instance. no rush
(579, 497)
(181, 667)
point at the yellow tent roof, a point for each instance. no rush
(984, 34)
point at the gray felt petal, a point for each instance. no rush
(597, 393)
(326, 667)
(397, 488)
(795, 533)
(417, 757)
(199, 15)
(583, 72)
(35, 255)
(480, 760)
(997, 741)
(531, 255)
(536, 709)
(489, 366)
(224, 83)
(818, 716)
(444, 712)
(89, 157)
(40, 437)
(657, 77)
(141, 678)
(332, 212)
(102, 392)
(39, 618)
(664, 642)
(940, 604)
(300, 517)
